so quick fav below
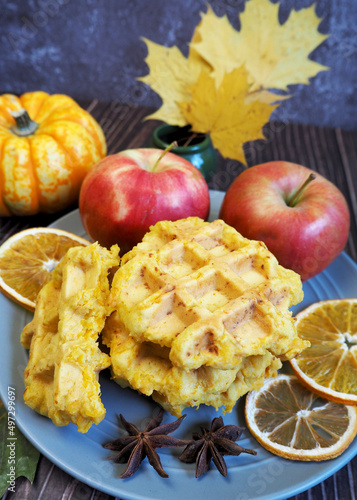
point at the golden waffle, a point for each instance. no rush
(210, 295)
(146, 368)
(61, 377)
(195, 296)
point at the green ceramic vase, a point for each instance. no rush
(200, 151)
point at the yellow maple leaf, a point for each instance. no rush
(224, 44)
(275, 55)
(194, 55)
(214, 39)
(223, 113)
(171, 76)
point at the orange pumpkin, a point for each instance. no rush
(48, 143)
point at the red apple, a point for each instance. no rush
(125, 193)
(305, 229)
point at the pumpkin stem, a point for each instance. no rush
(24, 125)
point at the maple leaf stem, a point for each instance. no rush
(190, 139)
(166, 150)
(256, 91)
(293, 201)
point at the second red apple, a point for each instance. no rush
(305, 229)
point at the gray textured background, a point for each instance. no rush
(93, 49)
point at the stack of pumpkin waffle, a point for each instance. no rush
(201, 315)
(197, 314)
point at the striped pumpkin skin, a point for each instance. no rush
(43, 171)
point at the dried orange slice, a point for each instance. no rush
(27, 259)
(329, 366)
(292, 422)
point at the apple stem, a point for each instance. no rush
(166, 150)
(292, 202)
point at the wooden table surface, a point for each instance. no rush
(332, 152)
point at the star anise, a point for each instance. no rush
(139, 444)
(213, 444)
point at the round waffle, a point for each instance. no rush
(145, 367)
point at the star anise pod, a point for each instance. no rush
(213, 444)
(139, 444)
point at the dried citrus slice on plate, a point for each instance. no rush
(27, 259)
(292, 422)
(329, 366)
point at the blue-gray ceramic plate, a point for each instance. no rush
(264, 476)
